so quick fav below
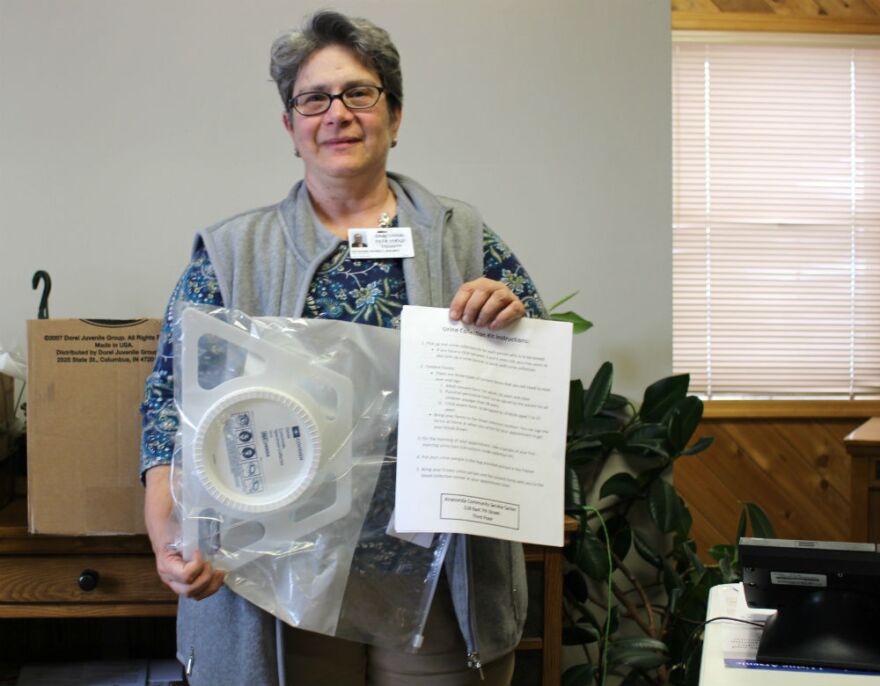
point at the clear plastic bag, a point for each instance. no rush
(283, 473)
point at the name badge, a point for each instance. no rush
(381, 243)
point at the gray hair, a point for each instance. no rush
(370, 43)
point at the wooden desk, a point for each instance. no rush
(47, 576)
(40, 577)
(863, 445)
(550, 643)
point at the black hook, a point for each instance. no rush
(43, 276)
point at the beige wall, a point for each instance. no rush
(124, 126)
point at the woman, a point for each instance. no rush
(340, 81)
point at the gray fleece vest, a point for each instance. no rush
(264, 261)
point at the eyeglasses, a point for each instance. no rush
(355, 98)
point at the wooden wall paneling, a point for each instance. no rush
(704, 490)
(831, 459)
(847, 8)
(744, 478)
(817, 509)
(695, 6)
(776, 23)
(774, 444)
(798, 8)
(797, 469)
(780, 16)
(743, 6)
(826, 9)
(756, 477)
(704, 531)
(855, 410)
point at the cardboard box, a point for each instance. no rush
(85, 384)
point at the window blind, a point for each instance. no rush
(776, 219)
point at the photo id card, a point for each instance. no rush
(381, 243)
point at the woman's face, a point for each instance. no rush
(341, 143)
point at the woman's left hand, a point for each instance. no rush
(485, 302)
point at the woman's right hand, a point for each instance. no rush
(195, 578)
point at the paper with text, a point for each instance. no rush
(483, 415)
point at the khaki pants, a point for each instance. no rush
(317, 660)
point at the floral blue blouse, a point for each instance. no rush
(355, 290)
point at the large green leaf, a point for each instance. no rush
(671, 579)
(665, 506)
(713, 578)
(674, 599)
(589, 618)
(638, 652)
(580, 444)
(647, 447)
(685, 522)
(575, 406)
(593, 555)
(612, 440)
(575, 584)
(622, 484)
(613, 620)
(647, 437)
(574, 492)
(661, 396)
(740, 526)
(646, 477)
(722, 551)
(685, 418)
(572, 549)
(761, 526)
(621, 536)
(638, 642)
(599, 390)
(578, 634)
(691, 554)
(596, 426)
(696, 594)
(635, 678)
(615, 402)
(579, 324)
(582, 456)
(637, 659)
(579, 675)
(641, 431)
(728, 573)
(702, 443)
(645, 551)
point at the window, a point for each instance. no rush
(776, 216)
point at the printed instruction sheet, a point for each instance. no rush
(483, 415)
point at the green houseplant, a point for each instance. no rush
(633, 557)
